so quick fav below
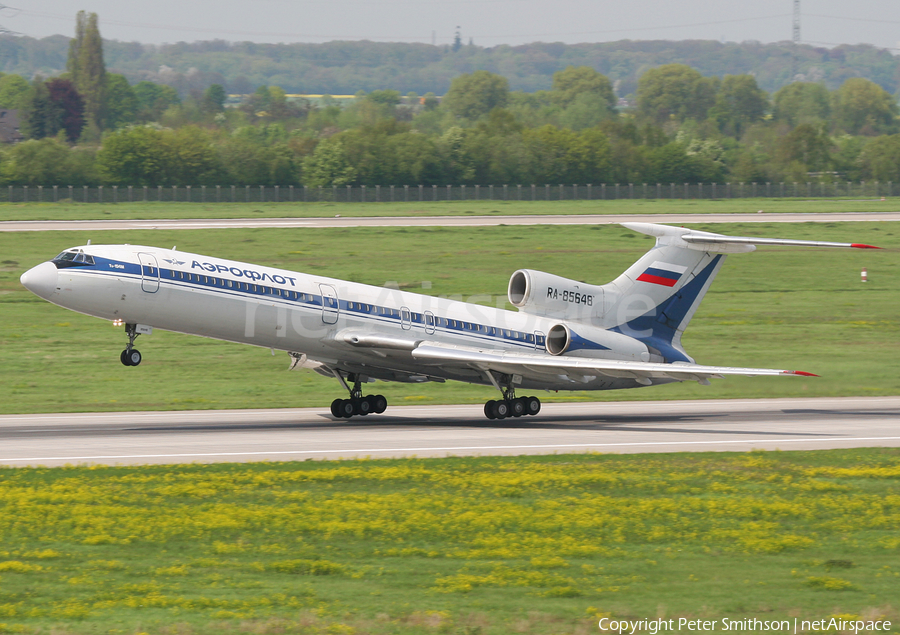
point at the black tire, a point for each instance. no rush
(124, 358)
(517, 407)
(500, 409)
(336, 408)
(363, 406)
(134, 357)
(532, 405)
(347, 408)
(379, 404)
(489, 410)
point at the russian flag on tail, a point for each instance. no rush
(662, 273)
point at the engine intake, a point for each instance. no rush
(542, 293)
(558, 339)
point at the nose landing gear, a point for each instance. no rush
(357, 404)
(130, 356)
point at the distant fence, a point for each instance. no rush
(431, 193)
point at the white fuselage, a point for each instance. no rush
(343, 325)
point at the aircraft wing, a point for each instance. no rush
(580, 368)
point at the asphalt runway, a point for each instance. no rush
(439, 221)
(437, 431)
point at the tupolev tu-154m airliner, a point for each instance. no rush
(565, 335)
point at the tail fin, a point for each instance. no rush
(655, 299)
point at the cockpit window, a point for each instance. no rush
(73, 258)
(67, 255)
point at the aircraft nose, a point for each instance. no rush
(41, 280)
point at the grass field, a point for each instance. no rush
(102, 211)
(534, 545)
(778, 307)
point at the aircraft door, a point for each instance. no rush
(149, 273)
(330, 304)
(429, 322)
(405, 318)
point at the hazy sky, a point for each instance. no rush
(487, 22)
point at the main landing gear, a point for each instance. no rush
(130, 356)
(510, 405)
(357, 404)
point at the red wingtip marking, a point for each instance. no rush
(862, 246)
(800, 372)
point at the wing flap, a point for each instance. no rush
(580, 366)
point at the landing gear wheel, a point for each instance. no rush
(379, 404)
(532, 405)
(363, 406)
(130, 356)
(517, 407)
(133, 357)
(347, 408)
(500, 409)
(489, 409)
(336, 408)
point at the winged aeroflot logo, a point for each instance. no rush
(173, 261)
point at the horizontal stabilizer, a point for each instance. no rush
(709, 241)
(704, 239)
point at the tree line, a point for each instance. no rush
(342, 67)
(89, 126)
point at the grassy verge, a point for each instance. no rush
(102, 211)
(467, 545)
(778, 307)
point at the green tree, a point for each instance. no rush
(328, 165)
(153, 100)
(259, 155)
(214, 99)
(430, 101)
(807, 145)
(87, 69)
(135, 156)
(195, 161)
(474, 95)
(739, 103)
(143, 155)
(385, 97)
(880, 159)
(121, 106)
(675, 91)
(585, 111)
(41, 116)
(553, 155)
(578, 81)
(13, 91)
(863, 107)
(47, 161)
(802, 102)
